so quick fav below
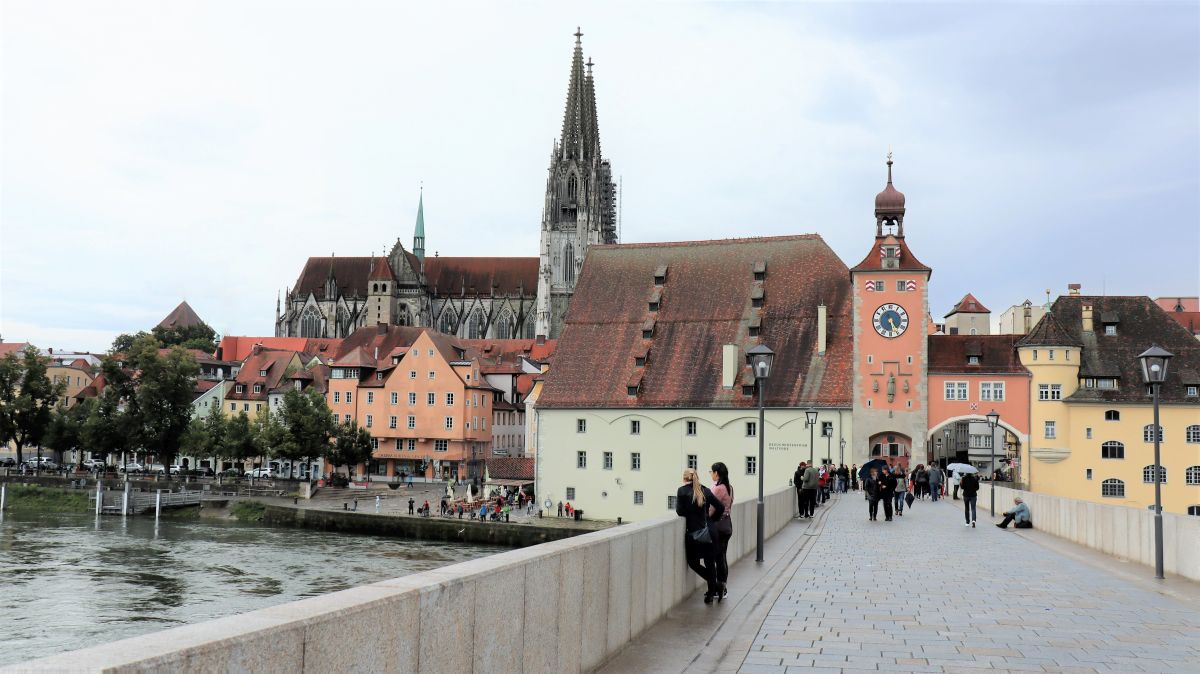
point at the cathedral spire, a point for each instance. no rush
(419, 231)
(574, 132)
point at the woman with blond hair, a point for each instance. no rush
(694, 502)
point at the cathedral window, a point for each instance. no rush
(477, 329)
(504, 327)
(449, 322)
(530, 328)
(572, 187)
(569, 264)
(310, 323)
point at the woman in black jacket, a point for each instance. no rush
(693, 502)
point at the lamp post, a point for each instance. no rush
(828, 433)
(760, 358)
(842, 452)
(810, 418)
(993, 419)
(1154, 372)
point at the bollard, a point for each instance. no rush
(125, 501)
(157, 504)
(377, 501)
(99, 498)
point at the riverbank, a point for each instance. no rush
(33, 498)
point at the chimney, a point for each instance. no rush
(730, 365)
(1087, 318)
(1073, 288)
(1028, 319)
(822, 328)
(377, 353)
(256, 349)
(381, 328)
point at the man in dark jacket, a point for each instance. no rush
(871, 487)
(796, 480)
(969, 484)
(887, 491)
(808, 485)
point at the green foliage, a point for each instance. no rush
(241, 441)
(247, 511)
(67, 427)
(189, 337)
(30, 498)
(307, 424)
(352, 446)
(106, 428)
(124, 342)
(27, 398)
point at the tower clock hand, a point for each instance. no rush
(893, 323)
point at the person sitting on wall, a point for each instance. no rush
(1020, 513)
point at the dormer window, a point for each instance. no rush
(258, 388)
(660, 275)
(972, 360)
(756, 297)
(378, 376)
(760, 270)
(296, 384)
(647, 334)
(640, 361)
(262, 373)
(1110, 330)
(631, 390)
(654, 306)
(891, 256)
(239, 388)
(395, 360)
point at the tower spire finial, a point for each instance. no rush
(578, 35)
(889, 163)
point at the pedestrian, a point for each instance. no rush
(843, 478)
(901, 491)
(410, 505)
(568, 508)
(483, 512)
(460, 511)
(1020, 513)
(936, 480)
(854, 477)
(425, 508)
(823, 483)
(560, 508)
(808, 484)
(797, 478)
(871, 487)
(921, 478)
(887, 492)
(970, 493)
(955, 482)
(694, 502)
(724, 527)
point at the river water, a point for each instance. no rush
(71, 581)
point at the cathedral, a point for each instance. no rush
(475, 297)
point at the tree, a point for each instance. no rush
(240, 441)
(27, 400)
(156, 394)
(107, 427)
(215, 429)
(124, 342)
(67, 428)
(189, 337)
(352, 446)
(305, 425)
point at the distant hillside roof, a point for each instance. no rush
(182, 316)
(968, 305)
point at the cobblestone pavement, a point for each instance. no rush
(923, 593)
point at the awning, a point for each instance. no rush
(508, 483)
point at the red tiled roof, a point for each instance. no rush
(273, 361)
(385, 338)
(874, 262)
(12, 347)
(1188, 319)
(182, 316)
(705, 303)
(381, 270)
(969, 305)
(356, 357)
(236, 349)
(510, 468)
(350, 273)
(446, 276)
(503, 356)
(203, 385)
(1185, 304)
(997, 354)
(95, 388)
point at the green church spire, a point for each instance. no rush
(419, 232)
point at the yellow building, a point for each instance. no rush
(1092, 414)
(77, 376)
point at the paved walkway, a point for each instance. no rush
(926, 594)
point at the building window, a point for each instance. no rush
(412, 374)
(349, 397)
(635, 461)
(239, 388)
(374, 443)
(1148, 474)
(412, 445)
(412, 398)
(1192, 476)
(1192, 434)
(751, 429)
(1049, 391)
(441, 445)
(693, 461)
(870, 359)
(637, 498)
(608, 461)
(1148, 433)
(670, 503)
(752, 465)
(956, 390)
(449, 400)
(1194, 510)
(1193, 391)
(581, 425)
(430, 399)
(1089, 473)
(1112, 415)
(399, 444)
(1112, 488)
(393, 421)
(1088, 432)
(1051, 431)
(412, 421)
(1106, 383)
(972, 360)
(346, 419)
(635, 427)
(570, 493)
(370, 397)
(432, 374)
(1110, 330)
(826, 429)
(1051, 354)
(395, 398)
(691, 428)
(449, 423)
(370, 420)
(991, 391)
(581, 459)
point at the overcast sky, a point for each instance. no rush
(159, 151)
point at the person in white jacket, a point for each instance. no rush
(954, 481)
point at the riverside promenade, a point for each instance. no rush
(923, 593)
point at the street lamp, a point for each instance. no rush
(760, 358)
(828, 433)
(1154, 372)
(810, 417)
(993, 419)
(842, 452)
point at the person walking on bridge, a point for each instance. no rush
(887, 492)
(901, 491)
(936, 480)
(969, 484)
(871, 487)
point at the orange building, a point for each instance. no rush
(421, 396)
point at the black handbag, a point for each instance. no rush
(701, 535)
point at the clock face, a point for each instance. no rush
(891, 320)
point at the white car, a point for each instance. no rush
(45, 462)
(133, 467)
(262, 472)
(94, 464)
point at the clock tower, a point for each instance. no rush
(891, 328)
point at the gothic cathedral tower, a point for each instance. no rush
(891, 329)
(580, 193)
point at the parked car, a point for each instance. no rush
(159, 469)
(133, 467)
(94, 465)
(231, 472)
(262, 472)
(205, 471)
(45, 462)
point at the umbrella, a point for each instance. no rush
(879, 464)
(963, 468)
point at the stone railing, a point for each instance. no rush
(564, 606)
(1127, 533)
